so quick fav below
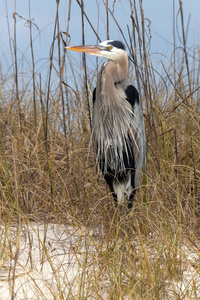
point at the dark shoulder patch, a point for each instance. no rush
(117, 44)
(132, 95)
(94, 95)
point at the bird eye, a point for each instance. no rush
(110, 47)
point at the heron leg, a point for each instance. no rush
(123, 189)
(131, 199)
(109, 179)
(133, 190)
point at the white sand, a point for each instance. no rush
(52, 261)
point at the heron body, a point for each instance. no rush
(118, 125)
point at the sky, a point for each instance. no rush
(158, 13)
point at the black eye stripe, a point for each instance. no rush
(117, 44)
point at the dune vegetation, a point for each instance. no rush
(49, 175)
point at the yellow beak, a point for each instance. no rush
(87, 49)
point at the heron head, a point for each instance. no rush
(113, 50)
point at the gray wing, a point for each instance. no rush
(138, 130)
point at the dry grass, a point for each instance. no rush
(48, 174)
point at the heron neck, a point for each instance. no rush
(116, 71)
(113, 73)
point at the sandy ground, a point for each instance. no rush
(48, 262)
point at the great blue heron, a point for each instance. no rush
(118, 125)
